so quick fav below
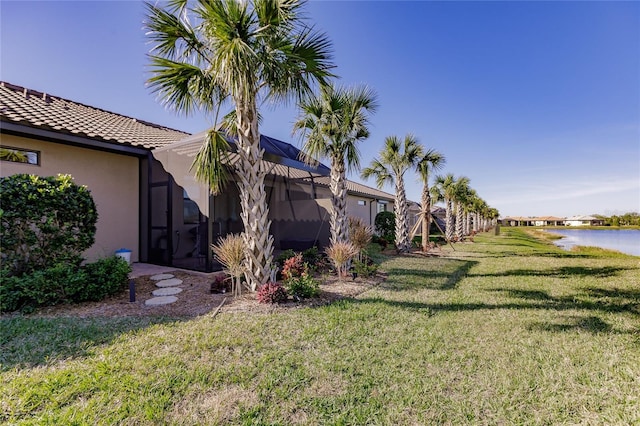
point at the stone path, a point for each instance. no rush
(167, 288)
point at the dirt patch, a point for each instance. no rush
(196, 299)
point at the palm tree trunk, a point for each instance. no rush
(459, 222)
(426, 217)
(253, 198)
(449, 232)
(339, 220)
(467, 223)
(400, 207)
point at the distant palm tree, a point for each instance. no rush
(431, 161)
(396, 158)
(334, 122)
(210, 52)
(444, 190)
(460, 198)
(478, 205)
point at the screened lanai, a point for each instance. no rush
(185, 219)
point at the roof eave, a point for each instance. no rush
(22, 130)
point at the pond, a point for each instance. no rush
(623, 240)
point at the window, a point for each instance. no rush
(18, 155)
(362, 203)
(382, 206)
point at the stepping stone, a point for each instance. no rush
(172, 282)
(159, 277)
(166, 291)
(163, 300)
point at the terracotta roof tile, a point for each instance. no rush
(36, 109)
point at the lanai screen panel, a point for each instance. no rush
(177, 162)
(280, 158)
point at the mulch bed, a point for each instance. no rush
(196, 299)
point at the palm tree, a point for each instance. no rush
(396, 158)
(444, 190)
(334, 123)
(206, 53)
(431, 161)
(478, 206)
(460, 196)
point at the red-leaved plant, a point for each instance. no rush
(294, 267)
(272, 293)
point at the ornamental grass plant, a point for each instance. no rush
(340, 254)
(230, 252)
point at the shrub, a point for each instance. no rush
(385, 224)
(311, 256)
(294, 267)
(302, 287)
(365, 268)
(44, 221)
(272, 293)
(63, 283)
(221, 284)
(380, 242)
(105, 277)
(282, 257)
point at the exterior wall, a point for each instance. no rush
(366, 212)
(112, 178)
(577, 223)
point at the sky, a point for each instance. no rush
(537, 103)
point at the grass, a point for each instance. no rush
(506, 330)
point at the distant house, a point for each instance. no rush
(584, 221)
(517, 221)
(147, 198)
(548, 221)
(533, 221)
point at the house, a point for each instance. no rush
(533, 221)
(147, 198)
(548, 221)
(583, 221)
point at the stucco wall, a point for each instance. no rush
(112, 178)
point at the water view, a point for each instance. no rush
(623, 240)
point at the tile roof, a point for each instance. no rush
(40, 110)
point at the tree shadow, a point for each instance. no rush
(626, 302)
(591, 324)
(595, 299)
(562, 272)
(444, 278)
(30, 342)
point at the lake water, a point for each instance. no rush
(624, 240)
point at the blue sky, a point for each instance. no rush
(538, 103)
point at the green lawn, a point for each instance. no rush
(507, 330)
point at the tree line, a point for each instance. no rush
(207, 55)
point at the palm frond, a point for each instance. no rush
(182, 86)
(431, 161)
(209, 164)
(378, 170)
(173, 36)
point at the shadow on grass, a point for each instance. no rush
(29, 342)
(596, 299)
(592, 324)
(446, 277)
(562, 272)
(588, 301)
